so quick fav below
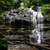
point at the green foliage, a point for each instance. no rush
(10, 4)
(46, 1)
(30, 3)
(6, 4)
(3, 44)
(17, 4)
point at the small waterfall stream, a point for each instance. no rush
(38, 21)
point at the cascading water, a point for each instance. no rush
(38, 19)
(40, 25)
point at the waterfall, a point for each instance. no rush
(38, 19)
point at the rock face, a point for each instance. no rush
(22, 17)
(21, 25)
(14, 48)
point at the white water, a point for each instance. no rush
(36, 32)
